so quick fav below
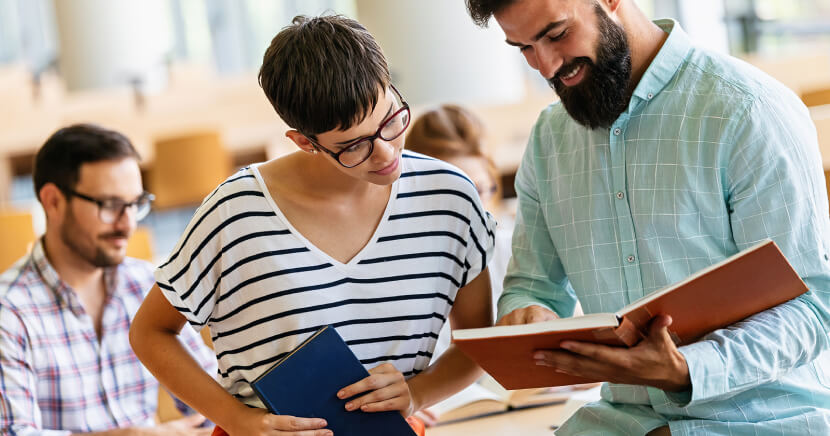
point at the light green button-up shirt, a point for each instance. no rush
(711, 157)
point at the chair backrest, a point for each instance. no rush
(17, 234)
(816, 97)
(140, 245)
(823, 131)
(166, 409)
(187, 168)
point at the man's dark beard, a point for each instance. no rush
(93, 255)
(602, 95)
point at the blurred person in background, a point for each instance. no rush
(66, 366)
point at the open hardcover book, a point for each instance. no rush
(742, 285)
(487, 397)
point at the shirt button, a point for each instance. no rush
(620, 195)
(650, 96)
(617, 131)
(630, 259)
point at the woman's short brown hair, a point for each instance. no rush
(323, 73)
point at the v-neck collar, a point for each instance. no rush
(313, 248)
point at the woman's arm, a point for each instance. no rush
(454, 371)
(153, 336)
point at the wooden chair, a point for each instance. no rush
(816, 97)
(166, 409)
(17, 234)
(187, 168)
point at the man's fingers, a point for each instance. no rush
(571, 364)
(538, 314)
(601, 353)
(658, 330)
(527, 315)
(515, 317)
(537, 317)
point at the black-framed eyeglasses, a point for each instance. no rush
(358, 151)
(111, 209)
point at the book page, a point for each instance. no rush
(474, 400)
(591, 321)
(532, 397)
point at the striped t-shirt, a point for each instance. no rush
(262, 288)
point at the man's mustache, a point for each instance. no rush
(114, 235)
(556, 80)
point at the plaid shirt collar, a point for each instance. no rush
(64, 295)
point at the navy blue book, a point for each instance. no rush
(305, 383)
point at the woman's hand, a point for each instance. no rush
(389, 391)
(259, 422)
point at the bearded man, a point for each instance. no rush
(66, 366)
(661, 159)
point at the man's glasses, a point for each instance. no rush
(357, 152)
(111, 209)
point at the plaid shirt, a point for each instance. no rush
(56, 376)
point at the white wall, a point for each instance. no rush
(704, 21)
(104, 43)
(437, 54)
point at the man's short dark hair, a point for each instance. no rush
(482, 10)
(60, 158)
(323, 73)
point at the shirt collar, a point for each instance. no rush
(63, 292)
(47, 273)
(668, 60)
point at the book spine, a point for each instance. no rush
(264, 398)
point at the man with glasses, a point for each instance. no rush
(350, 230)
(65, 308)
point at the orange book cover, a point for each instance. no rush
(742, 285)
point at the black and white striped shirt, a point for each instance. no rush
(262, 288)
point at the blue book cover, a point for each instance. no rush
(305, 384)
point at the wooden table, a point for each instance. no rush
(528, 422)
